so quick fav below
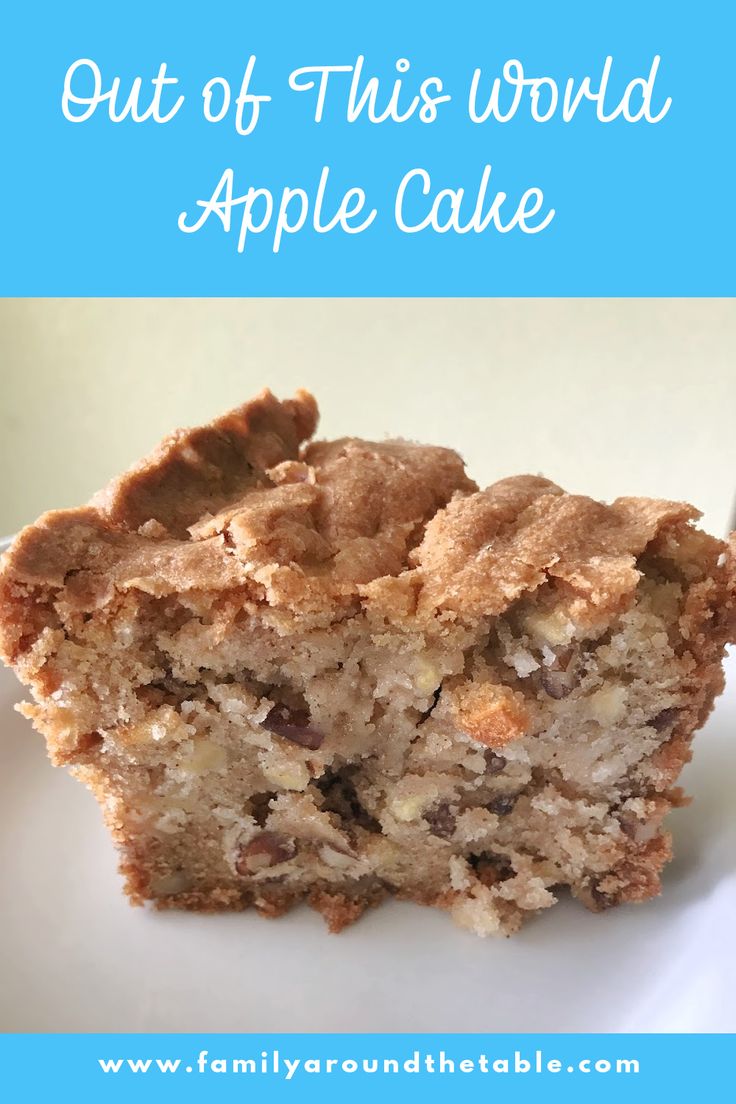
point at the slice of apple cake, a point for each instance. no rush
(333, 671)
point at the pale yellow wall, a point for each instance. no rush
(607, 397)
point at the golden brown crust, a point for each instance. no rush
(635, 879)
(235, 504)
(729, 613)
(198, 471)
(232, 505)
(485, 550)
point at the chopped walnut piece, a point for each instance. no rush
(494, 763)
(263, 851)
(559, 678)
(664, 719)
(441, 820)
(503, 804)
(294, 725)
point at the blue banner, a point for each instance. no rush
(362, 1067)
(413, 149)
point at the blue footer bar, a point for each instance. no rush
(341, 1066)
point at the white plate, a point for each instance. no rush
(75, 957)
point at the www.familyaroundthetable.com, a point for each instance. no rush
(275, 1064)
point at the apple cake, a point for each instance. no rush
(295, 670)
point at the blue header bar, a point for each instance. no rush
(283, 149)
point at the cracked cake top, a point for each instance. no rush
(247, 502)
